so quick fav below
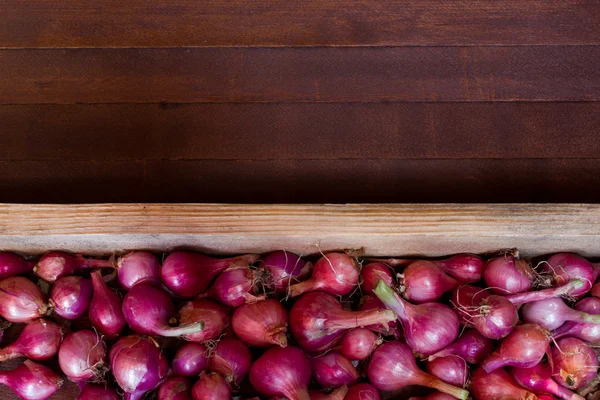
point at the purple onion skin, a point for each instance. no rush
(137, 365)
(423, 281)
(82, 356)
(371, 302)
(552, 313)
(565, 267)
(496, 317)
(507, 275)
(465, 268)
(12, 264)
(97, 392)
(55, 264)
(538, 379)
(71, 296)
(497, 385)
(333, 370)
(372, 273)
(175, 388)
(231, 359)
(31, 381)
(215, 316)
(105, 309)
(138, 267)
(39, 340)
(450, 369)
(211, 386)
(234, 287)
(362, 391)
(358, 344)
(21, 300)
(286, 269)
(190, 359)
(471, 345)
(588, 332)
(575, 364)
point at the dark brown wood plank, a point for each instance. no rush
(360, 74)
(300, 131)
(142, 23)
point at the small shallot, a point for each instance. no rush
(333, 370)
(358, 344)
(138, 267)
(372, 273)
(232, 360)
(539, 380)
(497, 385)
(423, 281)
(565, 267)
(524, 347)
(575, 363)
(471, 345)
(211, 386)
(21, 300)
(190, 359)
(236, 286)
(39, 340)
(451, 369)
(588, 332)
(285, 269)
(334, 273)
(55, 264)
(105, 309)
(82, 356)
(12, 264)
(215, 316)
(31, 381)
(552, 313)
(71, 296)
(261, 324)
(506, 275)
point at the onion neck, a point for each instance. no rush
(391, 299)
(175, 331)
(83, 262)
(302, 287)
(567, 329)
(527, 297)
(492, 363)
(354, 319)
(580, 316)
(277, 337)
(561, 392)
(435, 383)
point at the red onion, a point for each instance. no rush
(334, 273)
(524, 347)
(286, 269)
(318, 321)
(371, 302)
(450, 369)
(507, 274)
(588, 332)
(422, 282)
(55, 264)
(175, 388)
(147, 310)
(188, 274)
(97, 392)
(552, 313)
(211, 386)
(39, 341)
(497, 385)
(393, 367)
(565, 267)
(261, 324)
(215, 317)
(12, 264)
(282, 372)
(70, 296)
(595, 291)
(232, 360)
(434, 396)
(362, 391)
(471, 345)
(358, 344)
(372, 273)
(465, 268)
(575, 363)
(538, 379)
(82, 356)
(428, 327)
(464, 298)
(495, 317)
(527, 297)
(31, 381)
(138, 267)
(337, 394)
(190, 359)
(105, 309)
(137, 365)
(21, 300)
(333, 370)
(236, 286)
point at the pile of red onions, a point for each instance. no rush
(281, 326)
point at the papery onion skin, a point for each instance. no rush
(56, 264)
(175, 388)
(539, 380)
(261, 324)
(565, 290)
(471, 345)
(337, 394)
(391, 328)
(235, 286)
(575, 363)
(71, 296)
(82, 356)
(334, 273)
(333, 370)
(190, 359)
(282, 372)
(211, 386)
(231, 359)
(362, 391)
(97, 392)
(496, 317)
(31, 381)
(507, 274)
(465, 297)
(12, 264)
(423, 281)
(21, 300)
(451, 369)
(372, 273)
(105, 311)
(138, 267)
(358, 344)
(553, 313)
(524, 347)
(465, 268)
(565, 267)
(286, 269)
(215, 316)
(497, 385)
(588, 332)
(39, 341)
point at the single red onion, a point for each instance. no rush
(236, 286)
(372, 273)
(71, 296)
(565, 267)
(147, 310)
(495, 317)
(232, 360)
(215, 316)
(286, 269)
(465, 268)
(371, 302)
(318, 320)
(497, 385)
(211, 386)
(362, 391)
(539, 380)
(39, 341)
(588, 332)
(137, 365)
(464, 298)
(82, 356)
(31, 381)
(55, 264)
(333, 370)
(524, 347)
(428, 327)
(175, 388)
(507, 274)
(261, 324)
(105, 309)
(188, 274)
(552, 313)
(337, 394)
(190, 359)
(566, 290)
(451, 369)
(12, 264)
(358, 344)
(282, 372)
(97, 392)
(422, 282)
(595, 291)
(393, 367)
(471, 345)
(434, 396)
(575, 363)
(138, 267)
(21, 300)
(334, 273)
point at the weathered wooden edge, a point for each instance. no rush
(391, 229)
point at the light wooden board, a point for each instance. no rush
(394, 229)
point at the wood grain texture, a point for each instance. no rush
(137, 23)
(183, 75)
(300, 131)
